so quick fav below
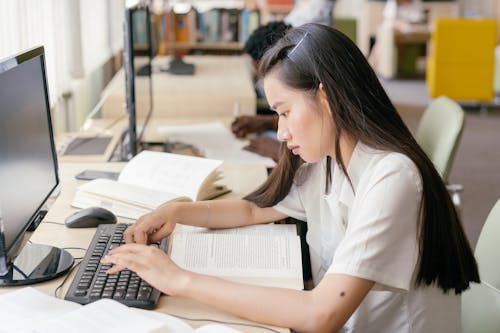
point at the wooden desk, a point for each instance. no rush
(240, 178)
(152, 134)
(219, 82)
(113, 127)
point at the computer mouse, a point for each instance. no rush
(90, 218)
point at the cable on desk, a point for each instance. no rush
(75, 248)
(231, 323)
(56, 291)
(50, 222)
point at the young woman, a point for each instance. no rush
(388, 251)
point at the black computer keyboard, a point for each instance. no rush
(92, 283)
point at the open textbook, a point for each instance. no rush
(28, 310)
(267, 254)
(151, 179)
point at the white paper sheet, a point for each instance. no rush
(215, 141)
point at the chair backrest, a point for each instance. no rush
(439, 133)
(461, 60)
(481, 304)
(347, 26)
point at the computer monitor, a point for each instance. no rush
(28, 170)
(142, 41)
(138, 89)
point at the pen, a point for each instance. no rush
(236, 110)
(3, 252)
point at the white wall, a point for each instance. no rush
(98, 36)
(479, 8)
(94, 34)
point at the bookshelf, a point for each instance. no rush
(208, 26)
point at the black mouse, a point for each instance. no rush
(90, 218)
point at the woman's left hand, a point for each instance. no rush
(150, 263)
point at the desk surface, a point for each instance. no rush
(218, 85)
(240, 178)
(113, 128)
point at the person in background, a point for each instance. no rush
(312, 11)
(399, 15)
(265, 120)
(388, 251)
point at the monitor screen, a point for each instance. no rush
(138, 88)
(28, 160)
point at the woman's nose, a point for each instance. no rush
(283, 134)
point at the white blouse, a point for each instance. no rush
(371, 232)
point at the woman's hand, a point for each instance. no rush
(151, 264)
(152, 227)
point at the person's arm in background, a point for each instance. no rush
(264, 146)
(244, 125)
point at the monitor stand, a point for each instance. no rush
(177, 66)
(144, 70)
(37, 263)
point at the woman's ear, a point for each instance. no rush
(323, 98)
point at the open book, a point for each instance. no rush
(151, 179)
(28, 310)
(267, 254)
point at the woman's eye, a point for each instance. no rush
(283, 114)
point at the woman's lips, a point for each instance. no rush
(294, 149)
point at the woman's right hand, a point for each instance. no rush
(152, 227)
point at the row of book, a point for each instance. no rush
(217, 25)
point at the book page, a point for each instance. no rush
(21, 304)
(84, 199)
(258, 229)
(238, 255)
(177, 174)
(104, 315)
(214, 140)
(28, 310)
(124, 200)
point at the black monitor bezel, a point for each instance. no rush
(129, 54)
(128, 58)
(6, 65)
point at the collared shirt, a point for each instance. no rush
(368, 228)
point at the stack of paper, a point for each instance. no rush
(29, 310)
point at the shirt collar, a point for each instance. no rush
(341, 187)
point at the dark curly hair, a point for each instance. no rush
(264, 37)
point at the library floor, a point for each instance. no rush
(477, 162)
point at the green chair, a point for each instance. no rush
(481, 303)
(347, 26)
(439, 133)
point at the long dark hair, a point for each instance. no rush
(312, 54)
